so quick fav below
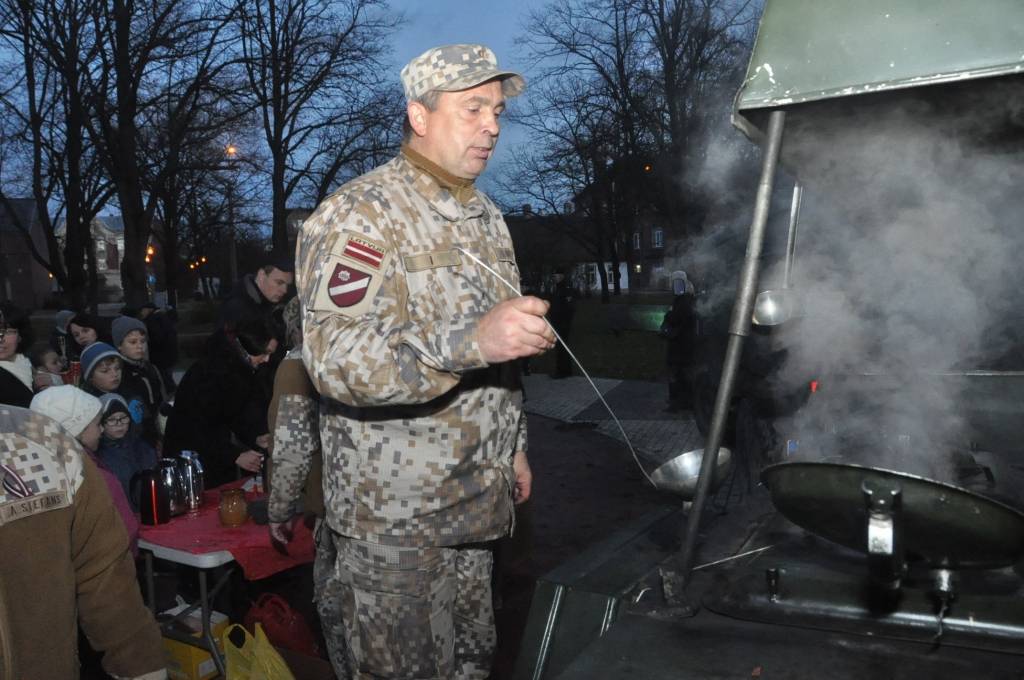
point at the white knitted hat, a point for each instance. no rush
(68, 405)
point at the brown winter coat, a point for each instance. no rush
(64, 561)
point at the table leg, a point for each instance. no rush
(150, 588)
(207, 633)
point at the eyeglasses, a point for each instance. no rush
(7, 330)
(117, 420)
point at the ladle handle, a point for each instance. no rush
(794, 219)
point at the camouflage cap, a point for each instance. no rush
(451, 68)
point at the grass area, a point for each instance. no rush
(636, 352)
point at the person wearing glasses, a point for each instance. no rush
(122, 449)
(220, 407)
(15, 367)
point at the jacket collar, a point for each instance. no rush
(253, 291)
(439, 198)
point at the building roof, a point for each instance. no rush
(112, 223)
(24, 208)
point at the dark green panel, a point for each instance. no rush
(816, 49)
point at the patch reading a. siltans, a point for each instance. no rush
(347, 286)
(15, 510)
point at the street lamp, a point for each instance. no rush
(232, 152)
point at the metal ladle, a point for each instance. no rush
(679, 474)
(773, 307)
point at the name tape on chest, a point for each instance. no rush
(423, 261)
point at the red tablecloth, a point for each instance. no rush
(201, 532)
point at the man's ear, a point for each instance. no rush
(417, 113)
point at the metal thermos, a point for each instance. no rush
(190, 472)
(150, 496)
(170, 478)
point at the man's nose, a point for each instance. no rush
(491, 124)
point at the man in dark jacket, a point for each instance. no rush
(258, 295)
(220, 408)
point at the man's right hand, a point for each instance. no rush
(249, 460)
(515, 328)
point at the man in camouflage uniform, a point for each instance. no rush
(411, 342)
(295, 474)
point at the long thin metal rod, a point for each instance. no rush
(794, 220)
(615, 418)
(739, 328)
(733, 557)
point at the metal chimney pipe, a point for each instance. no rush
(739, 328)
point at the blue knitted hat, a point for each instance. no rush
(93, 354)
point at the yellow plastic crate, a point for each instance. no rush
(185, 662)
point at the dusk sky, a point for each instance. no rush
(444, 22)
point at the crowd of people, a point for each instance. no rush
(386, 393)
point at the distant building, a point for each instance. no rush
(295, 217)
(544, 243)
(23, 280)
(107, 233)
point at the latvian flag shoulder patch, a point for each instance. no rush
(364, 251)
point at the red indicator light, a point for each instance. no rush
(814, 386)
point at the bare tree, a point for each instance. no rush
(140, 45)
(569, 161)
(313, 67)
(370, 135)
(627, 90)
(199, 102)
(53, 43)
(698, 48)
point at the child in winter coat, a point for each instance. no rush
(141, 381)
(46, 367)
(79, 414)
(121, 449)
(103, 373)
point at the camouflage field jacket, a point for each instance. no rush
(418, 432)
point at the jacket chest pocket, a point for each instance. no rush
(451, 283)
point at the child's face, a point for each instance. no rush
(52, 362)
(116, 426)
(82, 335)
(134, 346)
(107, 376)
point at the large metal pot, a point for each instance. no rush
(944, 526)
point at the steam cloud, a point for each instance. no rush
(909, 263)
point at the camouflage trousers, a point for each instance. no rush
(423, 613)
(328, 601)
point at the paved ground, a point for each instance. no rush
(656, 435)
(586, 485)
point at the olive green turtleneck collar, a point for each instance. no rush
(460, 188)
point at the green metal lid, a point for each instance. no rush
(809, 50)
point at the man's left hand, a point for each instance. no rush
(524, 478)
